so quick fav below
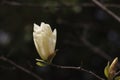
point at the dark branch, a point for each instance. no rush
(20, 67)
(79, 69)
(117, 73)
(14, 3)
(100, 5)
(96, 49)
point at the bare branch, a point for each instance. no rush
(20, 67)
(79, 69)
(117, 73)
(14, 3)
(96, 49)
(106, 10)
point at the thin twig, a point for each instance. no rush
(96, 49)
(92, 5)
(117, 73)
(14, 3)
(106, 10)
(79, 69)
(20, 67)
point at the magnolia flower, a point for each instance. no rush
(45, 41)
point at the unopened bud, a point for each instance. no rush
(113, 68)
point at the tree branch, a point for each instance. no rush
(20, 67)
(96, 49)
(117, 73)
(100, 5)
(79, 69)
(14, 3)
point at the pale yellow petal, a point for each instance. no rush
(52, 42)
(45, 40)
(46, 28)
(45, 46)
(36, 27)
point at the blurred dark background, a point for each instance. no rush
(87, 37)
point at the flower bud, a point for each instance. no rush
(113, 68)
(45, 41)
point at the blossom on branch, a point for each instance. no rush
(45, 41)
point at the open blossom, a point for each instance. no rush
(45, 40)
